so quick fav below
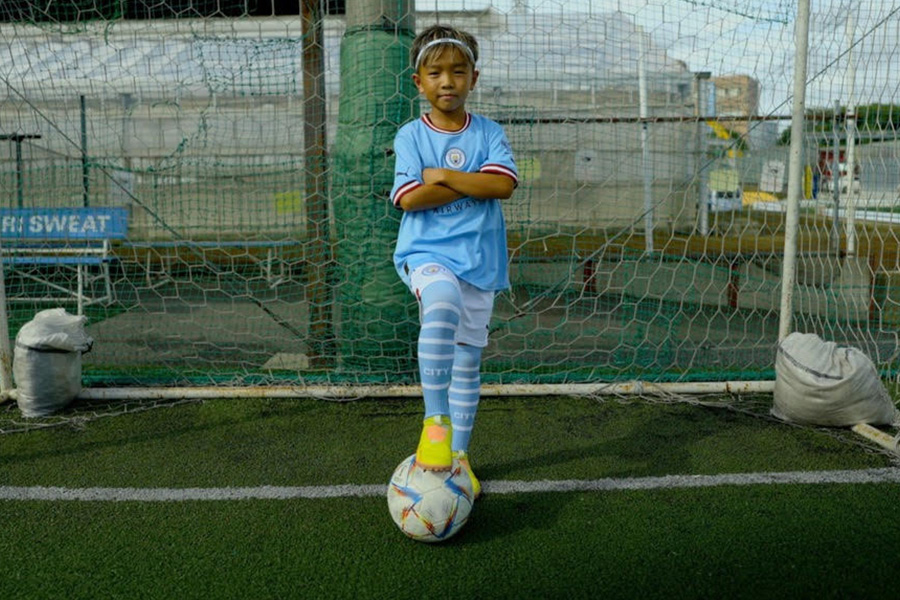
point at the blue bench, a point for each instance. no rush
(69, 238)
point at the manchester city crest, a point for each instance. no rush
(455, 158)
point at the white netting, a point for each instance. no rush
(647, 234)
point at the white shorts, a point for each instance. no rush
(477, 305)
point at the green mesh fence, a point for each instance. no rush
(253, 156)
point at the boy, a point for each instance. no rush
(452, 170)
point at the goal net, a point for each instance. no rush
(252, 151)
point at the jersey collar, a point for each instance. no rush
(426, 118)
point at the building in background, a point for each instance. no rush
(736, 96)
(737, 108)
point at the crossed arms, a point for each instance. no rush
(442, 186)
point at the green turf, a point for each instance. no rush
(309, 442)
(799, 541)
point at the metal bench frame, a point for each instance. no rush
(69, 238)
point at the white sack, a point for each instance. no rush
(821, 383)
(47, 361)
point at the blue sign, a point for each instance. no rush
(64, 223)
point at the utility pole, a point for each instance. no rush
(17, 139)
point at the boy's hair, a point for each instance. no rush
(435, 39)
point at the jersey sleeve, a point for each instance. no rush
(500, 159)
(407, 166)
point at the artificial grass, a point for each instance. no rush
(309, 442)
(828, 541)
(823, 541)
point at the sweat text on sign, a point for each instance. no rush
(64, 223)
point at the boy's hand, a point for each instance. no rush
(432, 176)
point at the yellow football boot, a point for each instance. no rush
(463, 457)
(434, 453)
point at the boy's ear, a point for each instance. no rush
(474, 78)
(418, 81)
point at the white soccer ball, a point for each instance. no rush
(429, 506)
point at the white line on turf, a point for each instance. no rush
(105, 494)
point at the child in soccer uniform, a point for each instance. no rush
(452, 169)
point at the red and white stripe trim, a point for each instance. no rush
(403, 190)
(500, 170)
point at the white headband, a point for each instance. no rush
(433, 43)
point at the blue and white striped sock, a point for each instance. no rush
(465, 391)
(441, 304)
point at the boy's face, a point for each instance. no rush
(446, 80)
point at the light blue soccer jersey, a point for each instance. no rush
(467, 236)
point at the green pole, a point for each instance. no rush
(85, 164)
(320, 339)
(377, 322)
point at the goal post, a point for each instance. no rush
(680, 208)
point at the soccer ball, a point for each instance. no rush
(429, 506)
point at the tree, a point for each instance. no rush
(874, 123)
